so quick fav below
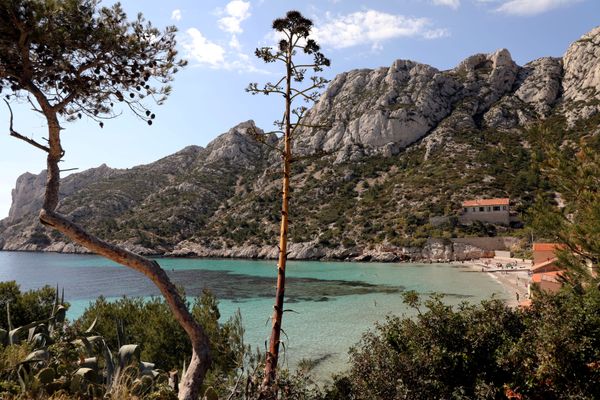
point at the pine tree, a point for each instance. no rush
(71, 59)
(574, 173)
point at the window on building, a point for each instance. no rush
(481, 209)
(465, 209)
(504, 208)
(496, 208)
(474, 209)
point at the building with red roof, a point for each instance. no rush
(494, 211)
(545, 273)
(543, 252)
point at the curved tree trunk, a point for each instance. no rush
(200, 361)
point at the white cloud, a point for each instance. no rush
(221, 54)
(204, 53)
(376, 46)
(235, 12)
(532, 7)
(436, 33)
(234, 43)
(202, 50)
(371, 27)
(449, 3)
(176, 15)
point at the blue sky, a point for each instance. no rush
(219, 37)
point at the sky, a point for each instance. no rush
(218, 39)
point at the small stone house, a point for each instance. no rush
(494, 211)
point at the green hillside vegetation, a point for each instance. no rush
(390, 200)
(20, 308)
(151, 207)
(374, 200)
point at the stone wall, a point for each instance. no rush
(492, 217)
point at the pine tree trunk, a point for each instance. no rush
(192, 381)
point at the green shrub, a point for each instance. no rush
(548, 351)
(25, 307)
(150, 323)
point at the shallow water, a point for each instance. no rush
(334, 302)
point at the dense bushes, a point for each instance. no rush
(24, 307)
(150, 323)
(138, 337)
(489, 351)
(550, 350)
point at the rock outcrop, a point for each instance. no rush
(239, 146)
(581, 82)
(385, 110)
(539, 84)
(28, 194)
(435, 250)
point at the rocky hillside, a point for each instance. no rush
(404, 146)
(152, 205)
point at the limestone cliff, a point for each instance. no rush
(148, 206)
(406, 143)
(385, 110)
(581, 82)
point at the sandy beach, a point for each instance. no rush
(515, 280)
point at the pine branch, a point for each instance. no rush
(17, 135)
(33, 106)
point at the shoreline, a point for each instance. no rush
(367, 257)
(514, 281)
(434, 250)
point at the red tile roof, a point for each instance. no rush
(548, 263)
(552, 276)
(486, 202)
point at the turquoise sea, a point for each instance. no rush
(334, 302)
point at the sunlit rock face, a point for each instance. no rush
(581, 82)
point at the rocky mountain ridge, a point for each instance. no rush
(405, 143)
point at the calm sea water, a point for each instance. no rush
(334, 302)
